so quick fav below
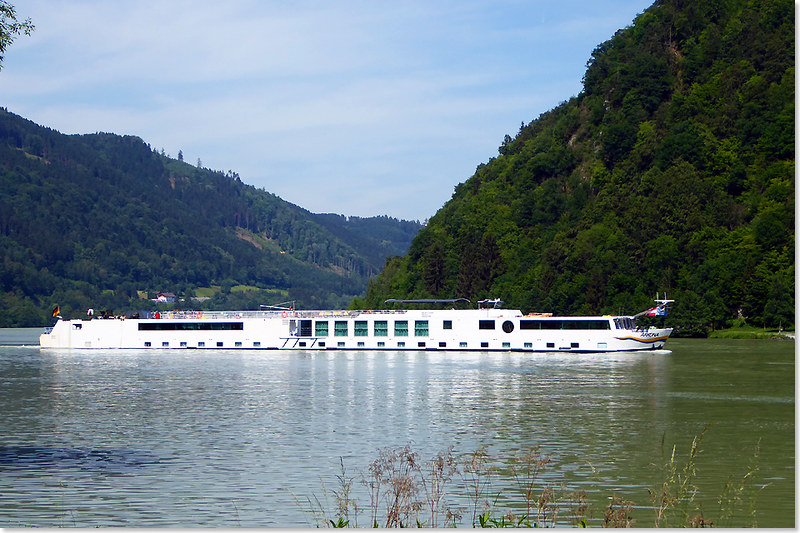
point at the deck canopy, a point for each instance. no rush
(428, 301)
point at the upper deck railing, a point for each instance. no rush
(227, 315)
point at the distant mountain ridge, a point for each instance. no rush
(673, 170)
(95, 220)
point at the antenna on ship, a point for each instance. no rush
(663, 301)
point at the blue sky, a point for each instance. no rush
(353, 107)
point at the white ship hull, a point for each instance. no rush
(457, 330)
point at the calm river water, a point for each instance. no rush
(255, 439)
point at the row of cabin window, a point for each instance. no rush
(201, 344)
(402, 344)
(165, 325)
(380, 328)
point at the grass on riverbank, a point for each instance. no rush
(750, 332)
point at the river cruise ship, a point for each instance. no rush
(487, 328)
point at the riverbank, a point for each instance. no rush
(748, 332)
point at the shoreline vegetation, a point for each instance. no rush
(750, 332)
(476, 490)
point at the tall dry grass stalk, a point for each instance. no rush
(436, 476)
(740, 494)
(477, 475)
(405, 491)
(526, 468)
(394, 481)
(674, 498)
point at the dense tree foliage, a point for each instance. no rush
(673, 170)
(99, 220)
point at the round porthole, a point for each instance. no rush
(508, 326)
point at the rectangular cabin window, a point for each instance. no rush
(381, 328)
(579, 324)
(190, 326)
(340, 328)
(256, 344)
(462, 344)
(420, 328)
(585, 324)
(401, 328)
(305, 328)
(624, 323)
(550, 324)
(447, 324)
(486, 324)
(321, 328)
(360, 328)
(201, 344)
(381, 344)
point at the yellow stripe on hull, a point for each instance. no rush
(646, 341)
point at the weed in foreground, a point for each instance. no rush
(477, 474)
(674, 498)
(526, 468)
(740, 494)
(393, 482)
(405, 491)
(618, 513)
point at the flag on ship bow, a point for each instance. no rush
(656, 311)
(56, 311)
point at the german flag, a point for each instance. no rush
(56, 311)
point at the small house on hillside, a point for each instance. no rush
(167, 297)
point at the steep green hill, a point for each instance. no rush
(95, 220)
(673, 170)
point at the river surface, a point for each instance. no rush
(256, 439)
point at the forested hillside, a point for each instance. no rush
(672, 170)
(102, 220)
